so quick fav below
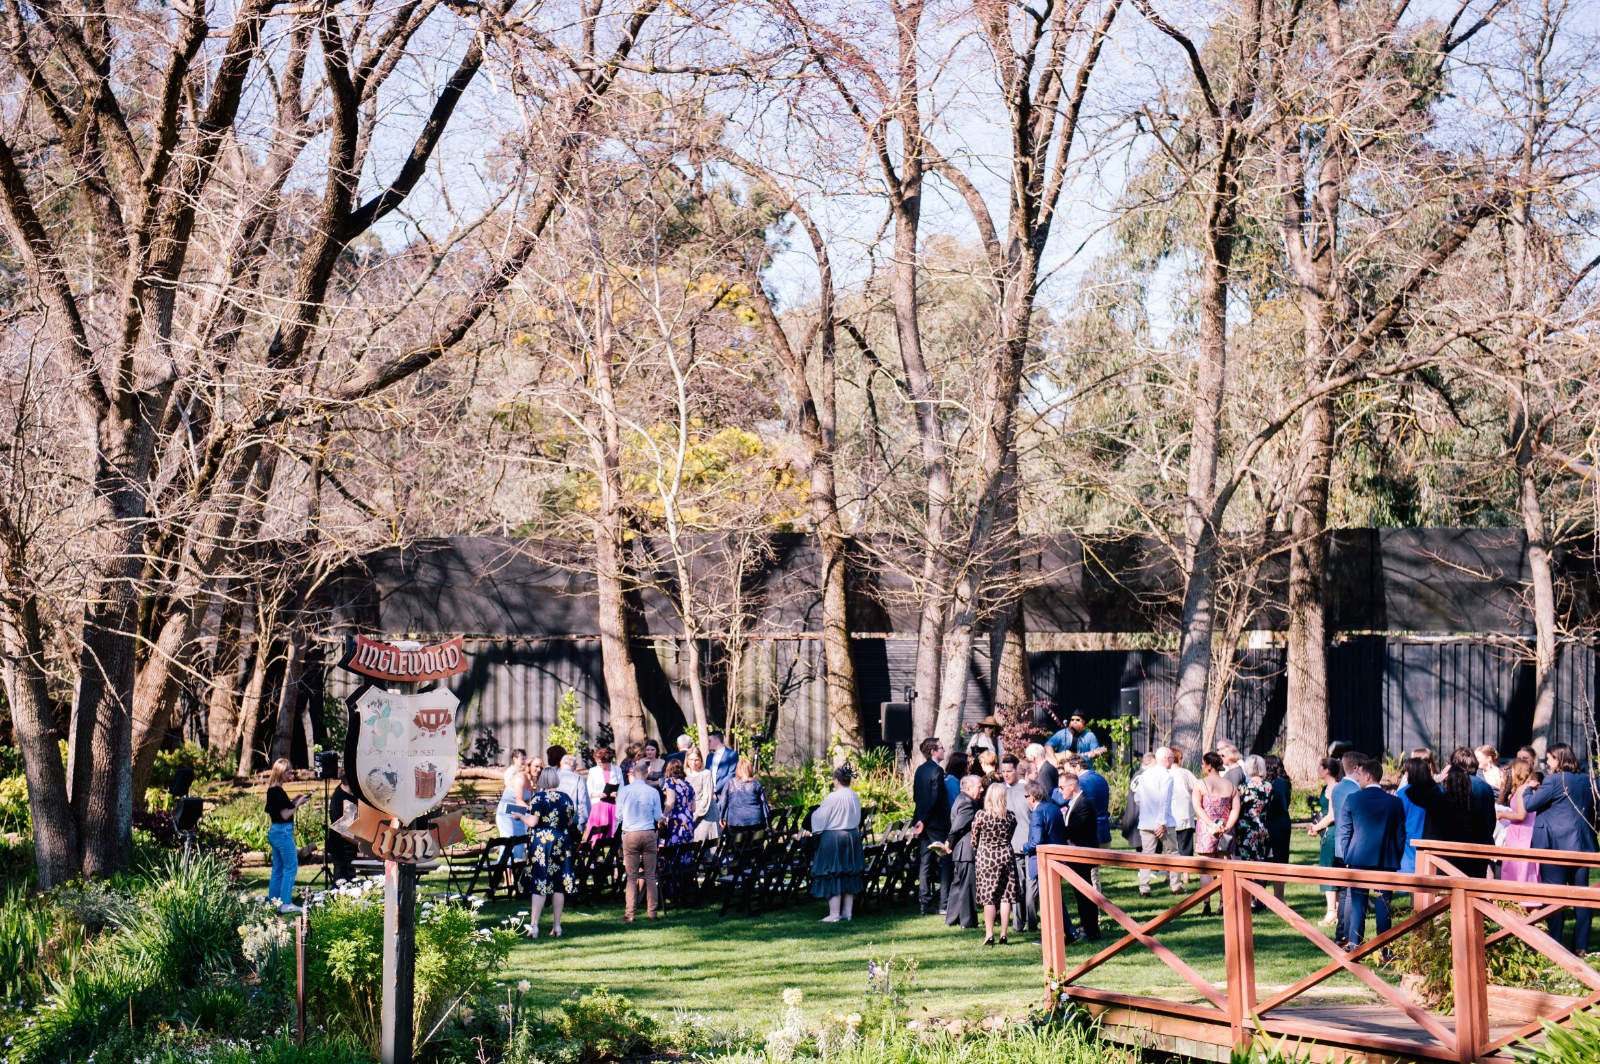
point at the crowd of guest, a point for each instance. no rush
(981, 814)
(647, 801)
(980, 830)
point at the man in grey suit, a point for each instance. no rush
(575, 786)
(1027, 916)
(961, 908)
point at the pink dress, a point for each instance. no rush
(1520, 837)
(1207, 843)
(602, 810)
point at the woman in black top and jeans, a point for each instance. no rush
(280, 836)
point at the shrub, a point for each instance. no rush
(1578, 1044)
(1425, 955)
(566, 732)
(588, 1029)
(38, 945)
(155, 837)
(14, 815)
(881, 786)
(175, 936)
(344, 956)
(209, 766)
(606, 1025)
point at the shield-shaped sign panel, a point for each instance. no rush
(405, 751)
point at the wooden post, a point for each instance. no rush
(1471, 977)
(399, 958)
(1422, 899)
(1050, 917)
(1238, 930)
(300, 924)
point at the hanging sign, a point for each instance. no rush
(386, 838)
(403, 664)
(401, 754)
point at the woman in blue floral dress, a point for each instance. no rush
(677, 799)
(550, 819)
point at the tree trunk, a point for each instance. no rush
(155, 691)
(1306, 720)
(1200, 511)
(250, 709)
(288, 695)
(55, 834)
(102, 718)
(957, 662)
(697, 688)
(222, 704)
(1540, 570)
(844, 715)
(1010, 674)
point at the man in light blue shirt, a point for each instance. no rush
(639, 811)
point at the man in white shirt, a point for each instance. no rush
(1156, 825)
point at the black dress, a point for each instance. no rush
(996, 866)
(1450, 822)
(1279, 826)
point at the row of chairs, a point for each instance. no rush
(748, 870)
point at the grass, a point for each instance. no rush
(734, 970)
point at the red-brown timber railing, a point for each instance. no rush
(1236, 1011)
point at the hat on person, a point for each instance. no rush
(989, 722)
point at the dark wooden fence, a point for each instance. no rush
(1386, 695)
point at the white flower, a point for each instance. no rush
(793, 996)
(524, 986)
(853, 1020)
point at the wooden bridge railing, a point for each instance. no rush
(1234, 1011)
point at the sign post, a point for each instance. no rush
(399, 961)
(400, 760)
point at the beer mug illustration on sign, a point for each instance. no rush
(412, 752)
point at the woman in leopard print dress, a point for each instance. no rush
(995, 865)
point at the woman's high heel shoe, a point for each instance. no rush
(989, 941)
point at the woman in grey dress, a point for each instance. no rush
(837, 868)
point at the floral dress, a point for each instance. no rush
(994, 864)
(550, 845)
(1254, 840)
(680, 822)
(1207, 840)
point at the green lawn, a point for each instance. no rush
(734, 970)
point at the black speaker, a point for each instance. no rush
(327, 764)
(182, 780)
(186, 814)
(894, 722)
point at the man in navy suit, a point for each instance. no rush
(1565, 804)
(931, 825)
(722, 761)
(1046, 827)
(1078, 815)
(1373, 831)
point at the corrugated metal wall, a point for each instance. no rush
(1385, 695)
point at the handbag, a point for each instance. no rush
(1226, 840)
